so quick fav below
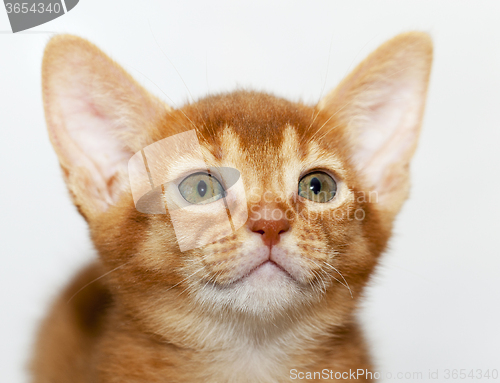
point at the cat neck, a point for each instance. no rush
(217, 348)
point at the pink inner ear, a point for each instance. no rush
(93, 144)
(388, 131)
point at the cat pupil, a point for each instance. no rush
(315, 185)
(202, 188)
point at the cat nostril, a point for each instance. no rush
(260, 231)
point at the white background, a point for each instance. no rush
(434, 303)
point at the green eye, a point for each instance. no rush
(317, 187)
(201, 188)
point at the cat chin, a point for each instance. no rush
(266, 292)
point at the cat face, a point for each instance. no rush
(320, 185)
(291, 249)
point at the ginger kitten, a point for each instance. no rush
(255, 280)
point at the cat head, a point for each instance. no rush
(319, 186)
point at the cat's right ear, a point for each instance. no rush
(98, 116)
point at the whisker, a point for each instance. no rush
(318, 275)
(315, 115)
(178, 73)
(185, 279)
(357, 54)
(155, 84)
(95, 280)
(166, 95)
(327, 67)
(330, 274)
(346, 284)
(206, 71)
(171, 63)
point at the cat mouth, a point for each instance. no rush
(268, 269)
(271, 264)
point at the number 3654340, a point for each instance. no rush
(33, 8)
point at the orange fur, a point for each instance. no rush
(161, 315)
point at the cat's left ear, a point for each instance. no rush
(380, 106)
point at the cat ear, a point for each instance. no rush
(97, 117)
(381, 104)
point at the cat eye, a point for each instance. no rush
(317, 187)
(201, 188)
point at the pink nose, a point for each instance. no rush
(270, 229)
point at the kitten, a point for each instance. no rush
(181, 295)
